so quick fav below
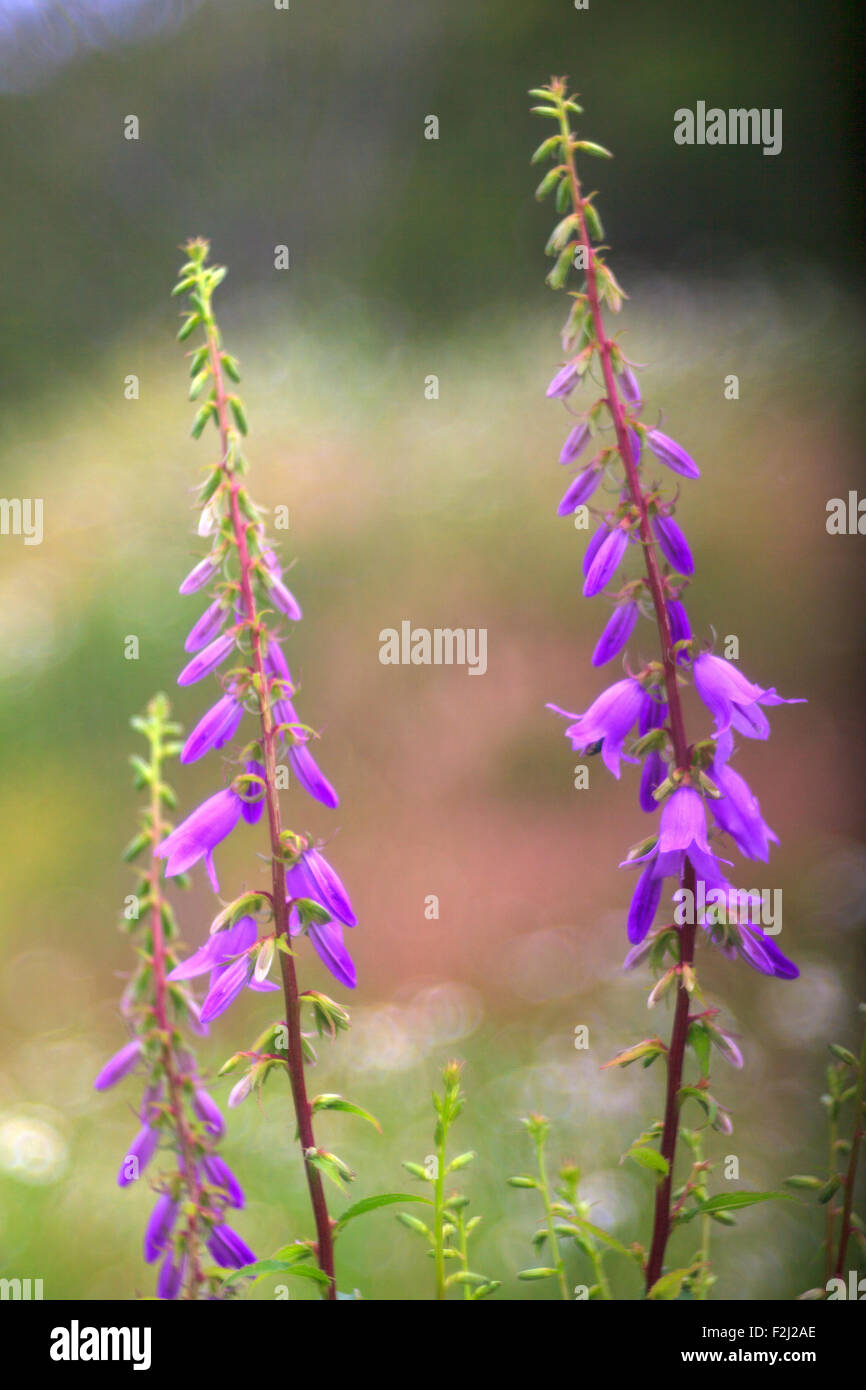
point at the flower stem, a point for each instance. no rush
(295, 1052)
(544, 1188)
(174, 1073)
(676, 1051)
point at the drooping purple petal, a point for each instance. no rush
(672, 455)
(738, 810)
(251, 809)
(617, 631)
(605, 562)
(608, 721)
(138, 1155)
(227, 1248)
(732, 699)
(311, 777)
(196, 837)
(214, 729)
(172, 1273)
(628, 385)
(313, 877)
(207, 660)
(327, 939)
(283, 599)
(207, 627)
(575, 444)
(644, 905)
(159, 1227)
(119, 1066)
(681, 628)
(208, 1112)
(652, 774)
(200, 574)
(564, 382)
(227, 983)
(579, 490)
(219, 1174)
(218, 950)
(673, 543)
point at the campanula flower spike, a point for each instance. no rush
(703, 806)
(177, 1116)
(237, 638)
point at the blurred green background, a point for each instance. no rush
(410, 258)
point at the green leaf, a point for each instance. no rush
(382, 1199)
(606, 1239)
(734, 1201)
(699, 1039)
(522, 1182)
(540, 1273)
(549, 182)
(843, 1054)
(328, 1102)
(669, 1286)
(650, 1159)
(545, 149)
(590, 147)
(804, 1180)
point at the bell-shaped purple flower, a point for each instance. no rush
(159, 1227)
(253, 799)
(219, 1174)
(200, 574)
(761, 952)
(327, 939)
(227, 982)
(732, 699)
(172, 1273)
(608, 721)
(219, 949)
(283, 599)
(214, 729)
(617, 631)
(197, 836)
(564, 382)
(644, 904)
(208, 1112)
(683, 834)
(207, 627)
(138, 1155)
(575, 444)
(628, 385)
(579, 490)
(311, 777)
(207, 660)
(605, 561)
(673, 543)
(738, 810)
(681, 628)
(119, 1066)
(672, 455)
(227, 1248)
(312, 877)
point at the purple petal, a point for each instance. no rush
(575, 444)
(142, 1149)
(199, 575)
(228, 982)
(118, 1066)
(618, 630)
(159, 1227)
(227, 1248)
(644, 905)
(214, 729)
(579, 490)
(207, 660)
(328, 943)
(311, 778)
(671, 454)
(207, 626)
(202, 830)
(604, 565)
(673, 544)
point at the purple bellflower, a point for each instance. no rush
(608, 721)
(733, 700)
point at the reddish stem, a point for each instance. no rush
(676, 1051)
(295, 1053)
